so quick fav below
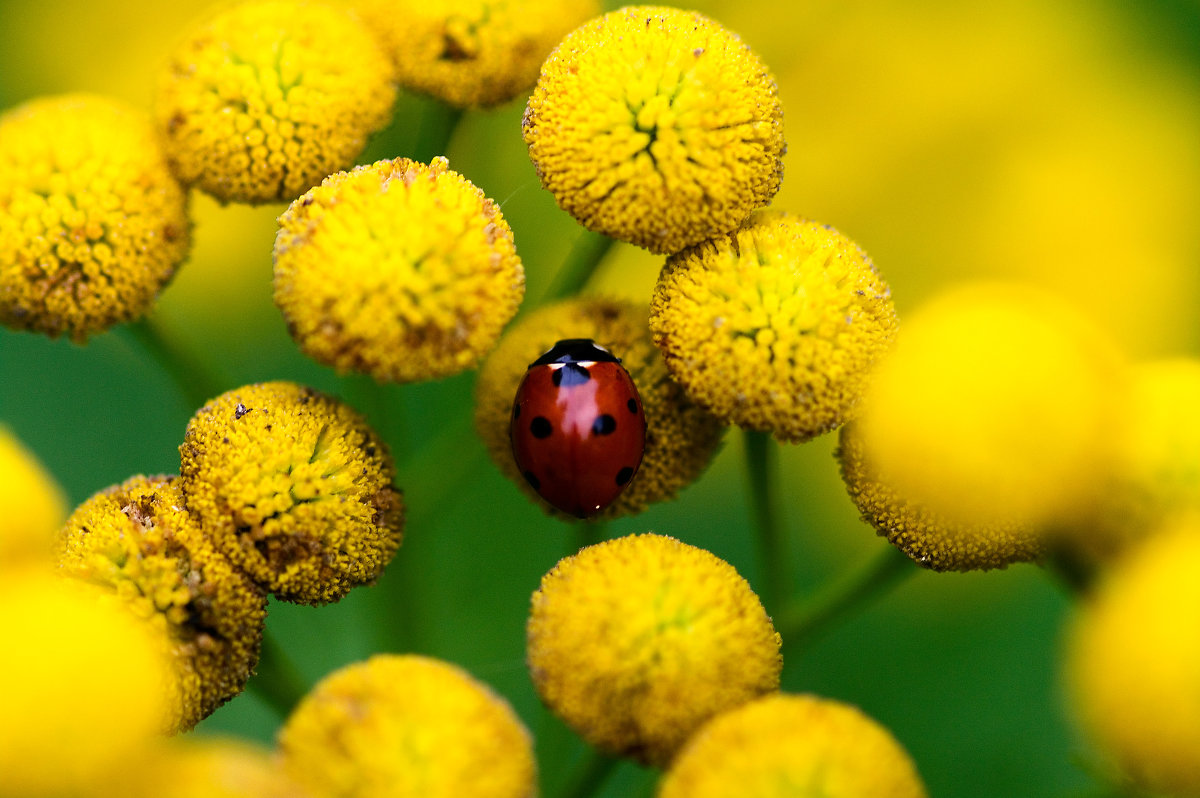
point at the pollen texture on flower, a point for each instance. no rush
(294, 488)
(656, 126)
(930, 540)
(681, 438)
(400, 270)
(997, 404)
(84, 683)
(266, 98)
(407, 726)
(92, 223)
(139, 541)
(32, 504)
(1133, 658)
(774, 327)
(784, 746)
(637, 641)
(470, 53)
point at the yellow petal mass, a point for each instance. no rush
(295, 488)
(637, 641)
(92, 222)
(262, 100)
(406, 726)
(681, 438)
(656, 126)
(774, 327)
(401, 270)
(32, 504)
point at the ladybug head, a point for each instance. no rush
(576, 350)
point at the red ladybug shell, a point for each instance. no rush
(578, 429)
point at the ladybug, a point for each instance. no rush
(578, 429)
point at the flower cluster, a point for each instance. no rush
(92, 222)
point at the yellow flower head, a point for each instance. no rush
(406, 725)
(269, 96)
(680, 437)
(1156, 470)
(92, 223)
(294, 488)
(399, 270)
(139, 541)
(774, 327)
(32, 505)
(470, 53)
(784, 746)
(1133, 661)
(637, 641)
(997, 405)
(210, 767)
(656, 126)
(931, 540)
(84, 685)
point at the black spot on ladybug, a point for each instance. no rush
(533, 481)
(540, 427)
(632, 405)
(516, 411)
(604, 425)
(569, 375)
(624, 475)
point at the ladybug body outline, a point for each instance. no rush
(577, 427)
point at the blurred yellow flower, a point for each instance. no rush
(774, 327)
(399, 270)
(930, 540)
(295, 488)
(267, 97)
(784, 746)
(656, 126)
(84, 686)
(210, 767)
(139, 541)
(681, 438)
(407, 726)
(92, 223)
(637, 641)
(32, 504)
(472, 52)
(997, 406)
(1133, 661)
(1156, 469)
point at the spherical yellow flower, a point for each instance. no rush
(656, 126)
(784, 746)
(32, 504)
(680, 437)
(1133, 661)
(931, 541)
(774, 327)
(92, 223)
(267, 97)
(470, 53)
(294, 488)
(210, 767)
(997, 405)
(84, 685)
(637, 641)
(1156, 470)
(399, 270)
(406, 725)
(138, 540)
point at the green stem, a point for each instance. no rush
(590, 777)
(276, 680)
(585, 256)
(762, 477)
(589, 533)
(191, 376)
(806, 619)
(438, 123)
